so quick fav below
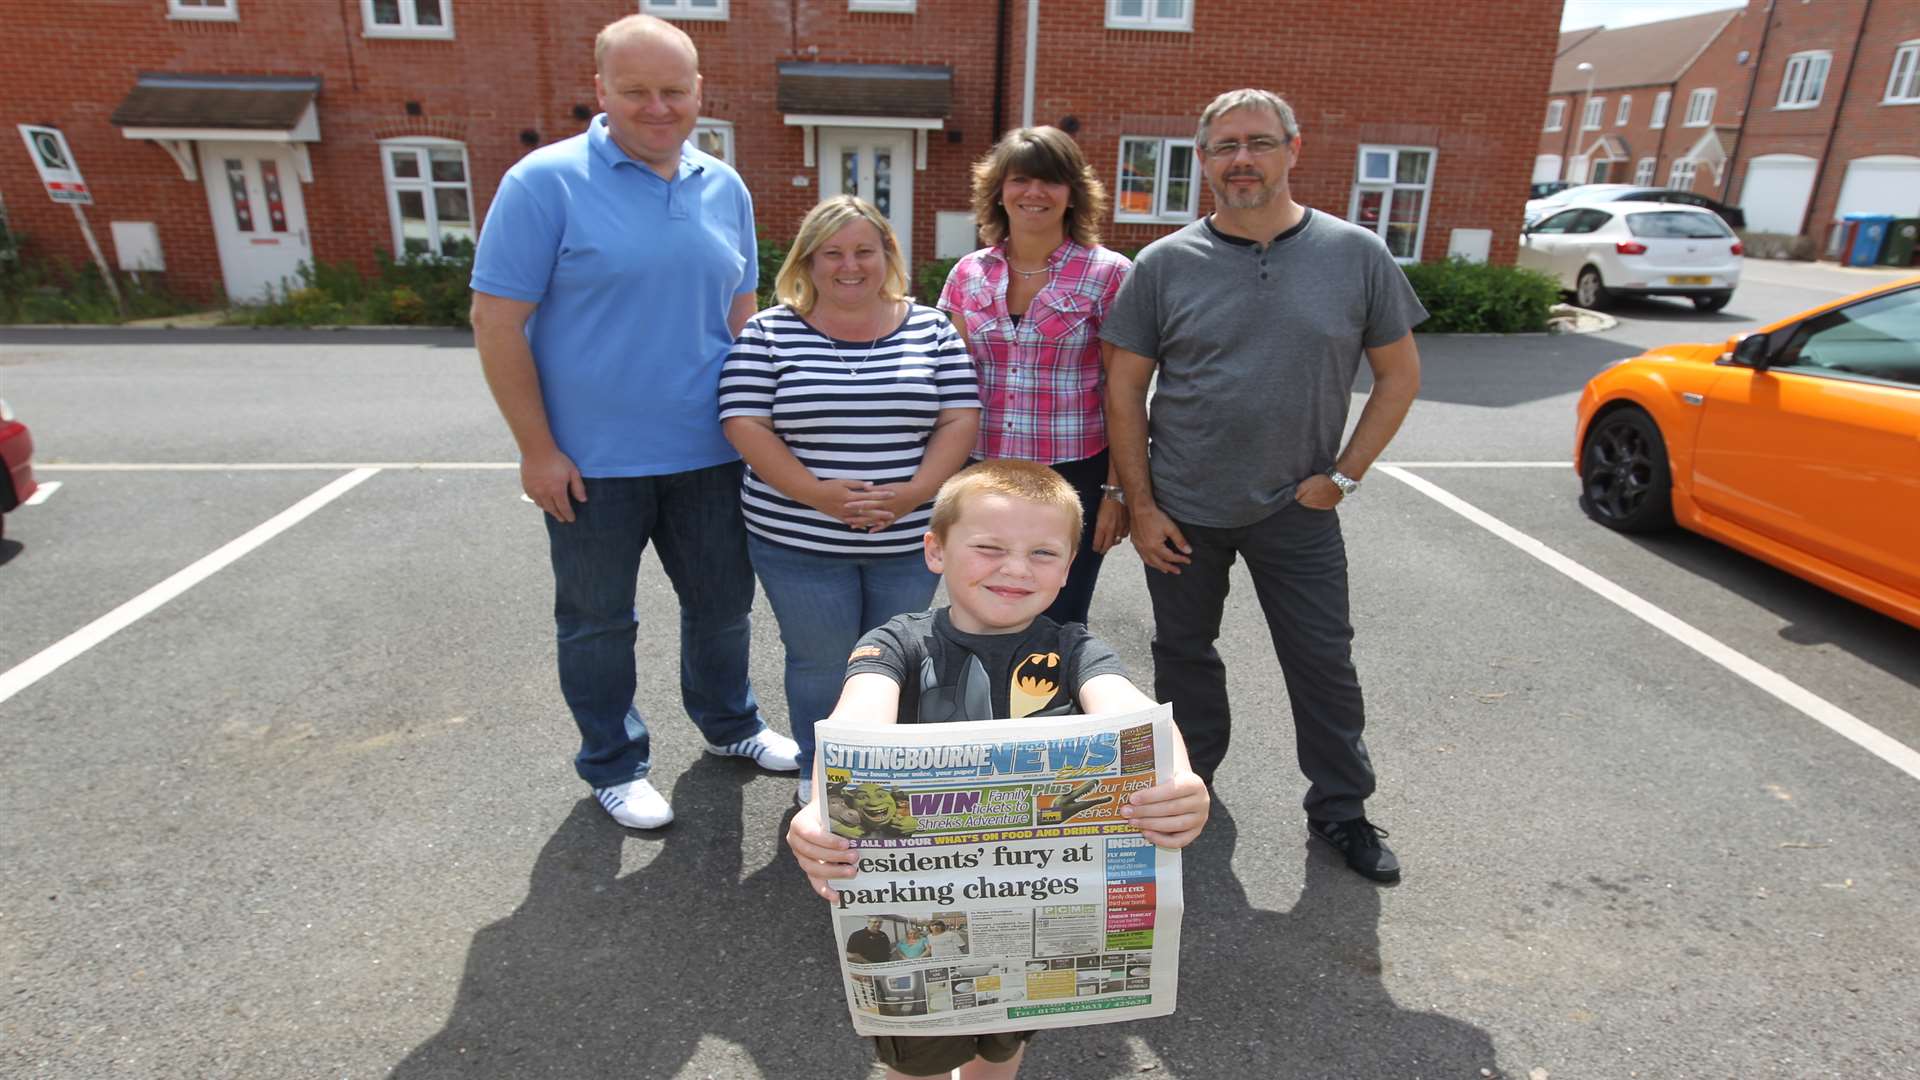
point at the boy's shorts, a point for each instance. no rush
(938, 1055)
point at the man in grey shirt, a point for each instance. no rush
(1256, 319)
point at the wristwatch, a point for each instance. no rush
(1347, 484)
(1115, 492)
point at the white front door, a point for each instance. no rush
(259, 218)
(877, 165)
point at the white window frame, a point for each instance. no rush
(1643, 172)
(682, 9)
(1798, 86)
(722, 128)
(1595, 111)
(1662, 104)
(409, 26)
(423, 183)
(1160, 212)
(1362, 184)
(1556, 115)
(1680, 176)
(1700, 107)
(230, 12)
(1624, 112)
(1149, 20)
(1909, 51)
(891, 7)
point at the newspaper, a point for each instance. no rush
(1000, 889)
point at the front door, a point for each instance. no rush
(259, 219)
(877, 165)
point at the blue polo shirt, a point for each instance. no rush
(634, 276)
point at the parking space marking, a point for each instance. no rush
(45, 662)
(44, 492)
(1479, 464)
(1865, 735)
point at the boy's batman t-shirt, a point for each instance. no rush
(946, 674)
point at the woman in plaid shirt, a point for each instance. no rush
(1029, 307)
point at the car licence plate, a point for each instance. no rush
(1694, 280)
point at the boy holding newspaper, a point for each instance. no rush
(1002, 536)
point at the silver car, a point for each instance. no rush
(1636, 249)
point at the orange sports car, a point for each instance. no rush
(1798, 444)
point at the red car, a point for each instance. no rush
(16, 453)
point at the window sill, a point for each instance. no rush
(1147, 219)
(203, 16)
(1142, 28)
(688, 16)
(405, 34)
(1900, 101)
(1799, 107)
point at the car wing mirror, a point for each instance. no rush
(1749, 351)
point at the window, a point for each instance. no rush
(1681, 175)
(203, 9)
(1903, 83)
(1150, 14)
(1877, 338)
(715, 137)
(1643, 172)
(428, 197)
(1661, 102)
(1806, 78)
(1556, 115)
(1624, 112)
(1590, 120)
(903, 7)
(686, 9)
(407, 18)
(1390, 196)
(1159, 180)
(1700, 108)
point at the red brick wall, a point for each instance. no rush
(1410, 73)
(1719, 67)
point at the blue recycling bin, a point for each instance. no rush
(1869, 232)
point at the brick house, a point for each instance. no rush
(230, 140)
(1797, 111)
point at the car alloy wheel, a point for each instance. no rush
(1588, 291)
(1624, 479)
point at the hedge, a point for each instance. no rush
(1468, 297)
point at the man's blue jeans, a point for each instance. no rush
(824, 603)
(693, 520)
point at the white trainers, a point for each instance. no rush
(768, 748)
(804, 796)
(635, 804)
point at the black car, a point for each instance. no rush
(1545, 188)
(1732, 215)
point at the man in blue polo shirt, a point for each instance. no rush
(613, 272)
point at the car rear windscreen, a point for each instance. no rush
(1677, 225)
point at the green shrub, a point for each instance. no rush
(1467, 297)
(932, 279)
(415, 290)
(40, 291)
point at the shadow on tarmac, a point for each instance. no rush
(597, 974)
(431, 337)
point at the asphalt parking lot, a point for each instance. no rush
(307, 810)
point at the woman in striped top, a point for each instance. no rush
(851, 405)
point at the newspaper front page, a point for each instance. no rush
(1000, 889)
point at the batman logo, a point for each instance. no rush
(1036, 681)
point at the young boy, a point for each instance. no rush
(1002, 536)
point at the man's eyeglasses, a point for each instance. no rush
(1258, 146)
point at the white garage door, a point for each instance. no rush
(1546, 167)
(1776, 192)
(1882, 184)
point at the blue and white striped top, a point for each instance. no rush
(848, 410)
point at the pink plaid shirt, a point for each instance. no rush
(1041, 382)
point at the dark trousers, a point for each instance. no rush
(1298, 562)
(1086, 475)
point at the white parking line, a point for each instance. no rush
(1865, 735)
(43, 663)
(43, 492)
(1479, 464)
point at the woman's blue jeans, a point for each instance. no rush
(693, 520)
(824, 603)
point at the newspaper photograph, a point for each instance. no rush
(999, 886)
